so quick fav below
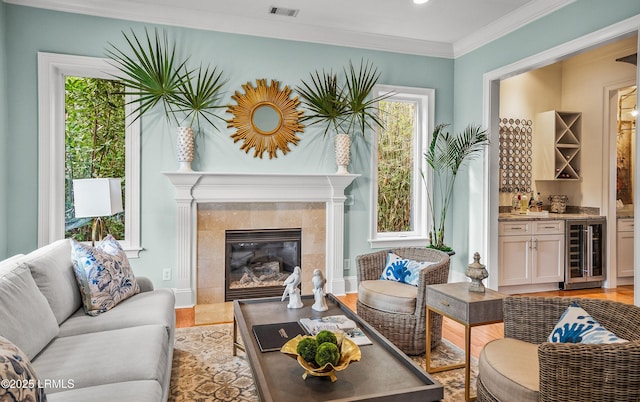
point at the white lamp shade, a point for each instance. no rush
(97, 197)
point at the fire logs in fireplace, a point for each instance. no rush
(258, 261)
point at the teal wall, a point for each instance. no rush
(4, 124)
(242, 58)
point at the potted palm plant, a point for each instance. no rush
(156, 77)
(342, 104)
(446, 156)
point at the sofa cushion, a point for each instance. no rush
(103, 274)
(388, 296)
(119, 355)
(578, 326)
(52, 270)
(403, 270)
(16, 366)
(145, 308)
(138, 391)
(25, 316)
(509, 369)
(10, 263)
(145, 284)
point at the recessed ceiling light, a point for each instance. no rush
(419, 1)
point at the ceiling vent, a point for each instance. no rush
(287, 12)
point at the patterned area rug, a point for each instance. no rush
(204, 368)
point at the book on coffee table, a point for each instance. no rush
(271, 337)
(336, 323)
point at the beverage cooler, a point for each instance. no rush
(585, 265)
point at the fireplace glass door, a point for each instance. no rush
(259, 261)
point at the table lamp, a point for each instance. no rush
(95, 198)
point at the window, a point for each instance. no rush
(399, 211)
(94, 146)
(56, 74)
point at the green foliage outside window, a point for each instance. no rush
(395, 166)
(94, 145)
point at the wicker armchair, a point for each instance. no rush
(405, 330)
(569, 371)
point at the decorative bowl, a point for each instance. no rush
(349, 352)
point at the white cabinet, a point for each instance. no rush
(530, 252)
(514, 260)
(556, 145)
(625, 247)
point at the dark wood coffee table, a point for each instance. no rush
(383, 374)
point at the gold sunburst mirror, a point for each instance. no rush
(266, 118)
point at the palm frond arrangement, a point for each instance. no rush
(199, 98)
(151, 71)
(358, 86)
(324, 99)
(446, 156)
(342, 103)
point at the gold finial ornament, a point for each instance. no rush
(476, 272)
(266, 118)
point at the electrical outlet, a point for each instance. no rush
(346, 265)
(166, 274)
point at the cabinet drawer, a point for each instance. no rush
(455, 301)
(514, 228)
(548, 227)
(625, 225)
(448, 305)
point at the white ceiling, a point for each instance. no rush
(444, 28)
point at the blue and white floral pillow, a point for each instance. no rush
(577, 326)
(103, 274)
(403, 270)
(16, 370)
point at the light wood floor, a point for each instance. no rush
(451, 330)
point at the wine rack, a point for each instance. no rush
(556, 145)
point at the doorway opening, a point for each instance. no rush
(493, 81)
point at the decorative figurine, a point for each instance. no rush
(292, 290)
(477, 273)
(319, 281)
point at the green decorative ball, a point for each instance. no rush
(327, 353)
(307, 348)
(326, 336)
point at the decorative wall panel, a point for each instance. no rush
(515, 155)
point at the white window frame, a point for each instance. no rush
(425, 112)
(52, 70)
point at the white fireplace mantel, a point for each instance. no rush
(208, 187)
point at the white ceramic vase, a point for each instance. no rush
(342, 148)
(186, 149)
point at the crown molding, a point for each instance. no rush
(507, 24)
(279, 27)
(276, 27)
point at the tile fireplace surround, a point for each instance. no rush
(273, 193)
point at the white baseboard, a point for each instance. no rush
(351, 284)
(184, 298)
(533, 288)
(625, 281)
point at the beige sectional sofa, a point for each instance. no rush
(122, 354)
